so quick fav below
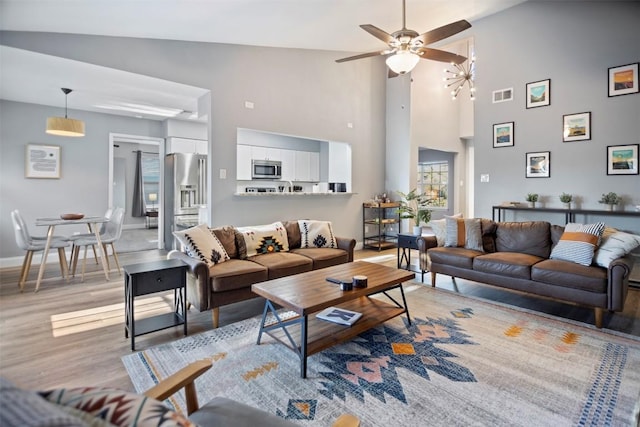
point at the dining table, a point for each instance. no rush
(93, 223)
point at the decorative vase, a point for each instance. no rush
(532, 204)
(567, 205)
(417, 230)
(610, 207)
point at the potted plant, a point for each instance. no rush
(413, 206)
(566, 199)
(532, 198)
(610, 199)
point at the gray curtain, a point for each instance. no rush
(138, 206)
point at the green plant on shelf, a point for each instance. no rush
(610, 198)
(532, 197)
(566, 198)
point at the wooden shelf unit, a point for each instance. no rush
(380, 216)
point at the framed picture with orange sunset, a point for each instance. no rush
(623, 80)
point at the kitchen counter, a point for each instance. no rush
(295, 193)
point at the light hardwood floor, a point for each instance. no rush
(72, 334)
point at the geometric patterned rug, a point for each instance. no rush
(463, 361)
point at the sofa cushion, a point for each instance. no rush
(323, 257)
(281, 264)
(236, 274)
(117, 407)
(316, 234)
(26, 408)
(529, 237)
(578, 243)
(227, 237)
(265, 239)
(615, 244)
(202, 243)
(489, 228)
(570, 275)
(463, 233)
(455, 257)
(293, 233)
(506, 264)
(439, 227)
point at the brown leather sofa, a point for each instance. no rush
(516, 256)
(209, 288)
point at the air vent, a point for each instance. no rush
(502, 95)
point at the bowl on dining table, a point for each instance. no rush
(70, 216)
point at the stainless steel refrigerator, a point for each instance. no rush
(185, 192)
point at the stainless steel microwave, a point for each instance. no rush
(266, 169)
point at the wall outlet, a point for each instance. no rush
(484, 177)
(223, 174)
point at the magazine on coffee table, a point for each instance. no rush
(339, 315)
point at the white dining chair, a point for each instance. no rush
(111, 234)
(89, 235)
(32, 244)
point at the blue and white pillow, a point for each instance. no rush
(578, 243)
(615, 244)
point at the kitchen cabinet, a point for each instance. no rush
(288, 159)
(307, 166)
(186, 145)
(243, 162)
(265, 153)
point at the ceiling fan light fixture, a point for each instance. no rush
(64, 126)
(402, 62)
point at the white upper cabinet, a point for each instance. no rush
(288, 159)
(186, 145)
(243, 162)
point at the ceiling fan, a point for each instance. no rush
(409, 46)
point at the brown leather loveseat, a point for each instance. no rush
(211, 287)
(516, 255)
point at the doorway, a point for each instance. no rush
(138, 233)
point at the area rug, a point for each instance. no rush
(462, 361)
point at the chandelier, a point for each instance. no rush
(461, 74)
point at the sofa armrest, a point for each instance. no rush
(185, 377)
(618, 282)
(198, 286)
(347, 245)
(424, 244)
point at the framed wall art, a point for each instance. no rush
(503, 135)
(576, 127)
(538, 164)
(42, 161)
(623, 80)
(622, 159)
(539, 93)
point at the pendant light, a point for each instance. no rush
(461, 74)
(64, 126)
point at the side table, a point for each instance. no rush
(152, 277)
(406, 242)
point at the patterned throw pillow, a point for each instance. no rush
(316, 234)
(265, 239)
(119, 408)
(439, 228)
(465, 233)
(201, 243)
(615, 244)
(578, 243)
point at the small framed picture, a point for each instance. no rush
(503, 135)
(576, 127)
(42, 161)
(538, 164)
(539, 93)
(623, 80)
(622, 159)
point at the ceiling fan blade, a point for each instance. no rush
(377, 32)
(440, 55)
(363, 55)
(443, 32)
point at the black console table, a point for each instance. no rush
(152, 277)
(569, 214)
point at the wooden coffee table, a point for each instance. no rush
(308, 293)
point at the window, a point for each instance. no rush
(433, 180)
(151, 179)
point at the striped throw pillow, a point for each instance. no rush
(465, 233)
(578, 243)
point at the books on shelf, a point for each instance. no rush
(339, 315)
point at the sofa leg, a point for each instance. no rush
(599, 315)
(433, 279)
(215, 314)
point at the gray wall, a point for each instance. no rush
(295, 92)
(83, 186)
(573, 44)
